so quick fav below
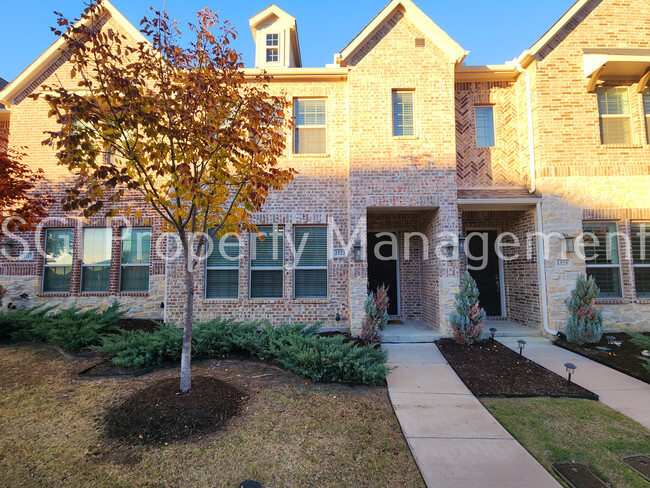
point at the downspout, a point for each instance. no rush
(541, 251)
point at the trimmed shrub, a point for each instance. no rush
(376, 319)
(585, 323)
(69, 328)
(467, 320)
(296, 347)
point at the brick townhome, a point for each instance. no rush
(398, 135)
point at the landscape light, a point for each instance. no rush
(493, 330)
(610, 339)
(521, 344)
(571, 369)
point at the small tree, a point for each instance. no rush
(585, 323)
(467, 320)
(376, 309)
(19, 203)
(178, 123)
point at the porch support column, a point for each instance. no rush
(445, 226)
(358, 276)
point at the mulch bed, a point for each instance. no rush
(625, 359)
(161, 414)
(578, 475)
(490, 369)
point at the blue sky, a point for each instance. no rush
(493, 32)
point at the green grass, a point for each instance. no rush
(570, 430)
(291, 432)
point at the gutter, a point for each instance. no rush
(541, 266)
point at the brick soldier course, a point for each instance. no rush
(545, 168)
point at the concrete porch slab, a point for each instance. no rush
(411, 331)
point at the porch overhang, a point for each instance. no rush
(496, 199)
(631, 65)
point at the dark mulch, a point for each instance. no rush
(138, 324)
(490, 369)
(578, 475)
(640, 464)
(161, 414)
(625, 358)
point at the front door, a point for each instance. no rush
(488, 279)
(383, 271)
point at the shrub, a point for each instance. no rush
(585, 323)
(376, 319)
(643, 341)
(467, 320)
(296, 347)
(15, 324)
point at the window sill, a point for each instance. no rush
(405, 138)
(266, 300)
(310, 155)
(621, 146)
(53, 294)
(612, 301)
(133, 294)
(643, 301)
(318, 301)
(221, 300)
(95, 294)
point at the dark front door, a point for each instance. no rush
(383, 271)
(487, 279)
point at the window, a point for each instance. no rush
(58, 260)
(602, 258)
(403, 110)
(96, 263)
(272, 44)
(222, 269)
(134, 260)
(310, 134)
(614, 110)
(310, 274)
(484, 126)
(641, 257)
(646, 113)
(267, 263)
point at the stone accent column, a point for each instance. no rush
(358, 276)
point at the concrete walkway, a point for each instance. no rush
(617, 390)
(455, 441)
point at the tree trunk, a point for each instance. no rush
(186, 355)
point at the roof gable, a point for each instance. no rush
(451, 48)
(54, 52)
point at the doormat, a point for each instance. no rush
(640, 464)
(395, 322)
(578, 475)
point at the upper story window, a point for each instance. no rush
(614, 111)
(96, 262)
(640, 240)
(272, 46)
(646, 113)
(267, 263)
(310, 133)
(602, 257)
(57, 267)
(403, 113)
(134, 259)
(484, 116)
(310, 274)
(222, 268)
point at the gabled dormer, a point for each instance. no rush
(276, 39)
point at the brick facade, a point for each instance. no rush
(369, 180)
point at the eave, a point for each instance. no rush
(493, 72)
(300, 74)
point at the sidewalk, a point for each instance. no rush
(617, 390)
(455, 441)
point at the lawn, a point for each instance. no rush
(573, 430)
(291, 432)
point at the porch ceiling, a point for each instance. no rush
(496, 199)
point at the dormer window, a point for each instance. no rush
(272, 46)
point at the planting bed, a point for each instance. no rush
(625, 358)
(490, 369)
(160, 413)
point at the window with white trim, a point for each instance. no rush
(403, 113)
(640, 240)
(310, 273)
(267, 263)
(222, 268)
(614, 112)
(96, 259)
(484, 117)
(272, 48)
(602, 257)
(57, 266)
(310, 132)
(134, 259)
